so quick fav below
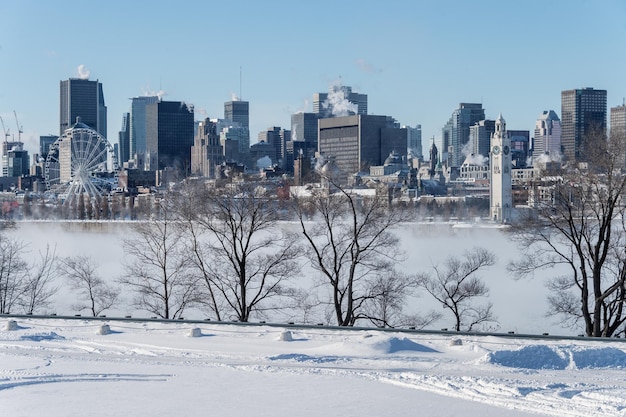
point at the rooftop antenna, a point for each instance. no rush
(240, 97)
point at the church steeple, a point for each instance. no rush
(434, 156)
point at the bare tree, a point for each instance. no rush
(95, 294)
(582, 228)
(40, 284)
(13, 273)
(240, 249)
(388, 295)
(456, 286)
(195, 238)
(157, 269)
(351, 244)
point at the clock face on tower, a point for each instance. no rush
(505, 150)
(495, 150)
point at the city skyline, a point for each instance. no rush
(415, 61)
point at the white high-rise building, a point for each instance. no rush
(547, 139)
(500, 195)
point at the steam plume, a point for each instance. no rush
(83, 72)
(337, 103)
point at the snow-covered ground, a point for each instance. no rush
(66, 367)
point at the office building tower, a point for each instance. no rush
(360, 141)
(414, 140)
(278, 138)
(15, 160)
(455, 133)
(618, 128)
(85, 99)
(519, 141)
(583, 113)
(237, 112)
(501, 196)
(480, 138)
(44, 145)
(304, 134)
(547, 140)
(339, 101)
(304, 127)
(169, 136)
(124, 140)
(137, 140)
(618, 121)
(207, 151)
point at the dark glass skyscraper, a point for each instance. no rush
(582, 112)
(82, 98)
(169, 135)
(238, 111)
(124, 139)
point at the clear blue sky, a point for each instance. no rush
(416, 60)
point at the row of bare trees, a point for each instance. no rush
(28, 286)
(238, 254)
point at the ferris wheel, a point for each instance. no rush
(80, 163)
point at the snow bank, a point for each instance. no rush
(395, 344)
(558, 357)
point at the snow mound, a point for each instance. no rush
(599, 358)
(546, 357)
(395, 344)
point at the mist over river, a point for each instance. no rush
(519, 306)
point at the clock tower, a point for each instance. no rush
(500, 196)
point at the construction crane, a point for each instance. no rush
(19, 128)
(6, 132)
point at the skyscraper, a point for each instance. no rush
(206, 152)
(547, 140)
(278, 138)
(339, 101)
(414, 140)
(238, 112)
(480, 137)
(169, 135)
(44, 144)
(583, 111)
(618, 121)
(82, 98)
(124, 140)
(456, 132)
(360, 141)
(618, 127)
(137, 139)
(519, 141)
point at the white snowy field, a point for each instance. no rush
(65, 367)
